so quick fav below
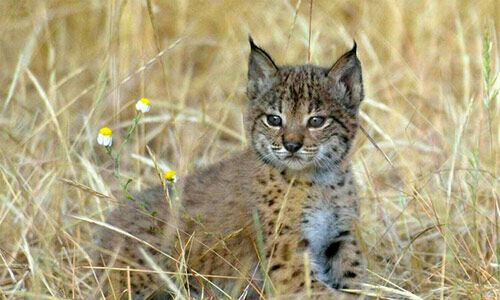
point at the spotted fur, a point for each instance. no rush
(301, 202)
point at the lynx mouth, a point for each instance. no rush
(296, 161)
(294, 158)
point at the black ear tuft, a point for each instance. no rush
(353, 51)
(354, 47)
(250, 40)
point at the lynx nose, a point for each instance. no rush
(292, 146)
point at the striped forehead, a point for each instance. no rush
(299, 88)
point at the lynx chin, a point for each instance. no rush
(292, 188)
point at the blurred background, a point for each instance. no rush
(427, 165)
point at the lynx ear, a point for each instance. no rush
(347, 80)
(261, 70)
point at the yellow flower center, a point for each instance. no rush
(106, 131)
(169, 175)
(145, 101)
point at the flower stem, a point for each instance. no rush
(116, 172)
(129, 133)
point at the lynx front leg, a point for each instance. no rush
(336, 258)
(345, 264)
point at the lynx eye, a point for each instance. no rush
(274, 120)
(316, 122)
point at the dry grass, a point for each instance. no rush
(429, 206)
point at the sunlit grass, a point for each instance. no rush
(427, 164)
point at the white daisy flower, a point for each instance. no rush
(143, 105)
(105, 137)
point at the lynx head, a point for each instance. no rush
(303, 117)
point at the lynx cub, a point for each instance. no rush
(253, 225)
